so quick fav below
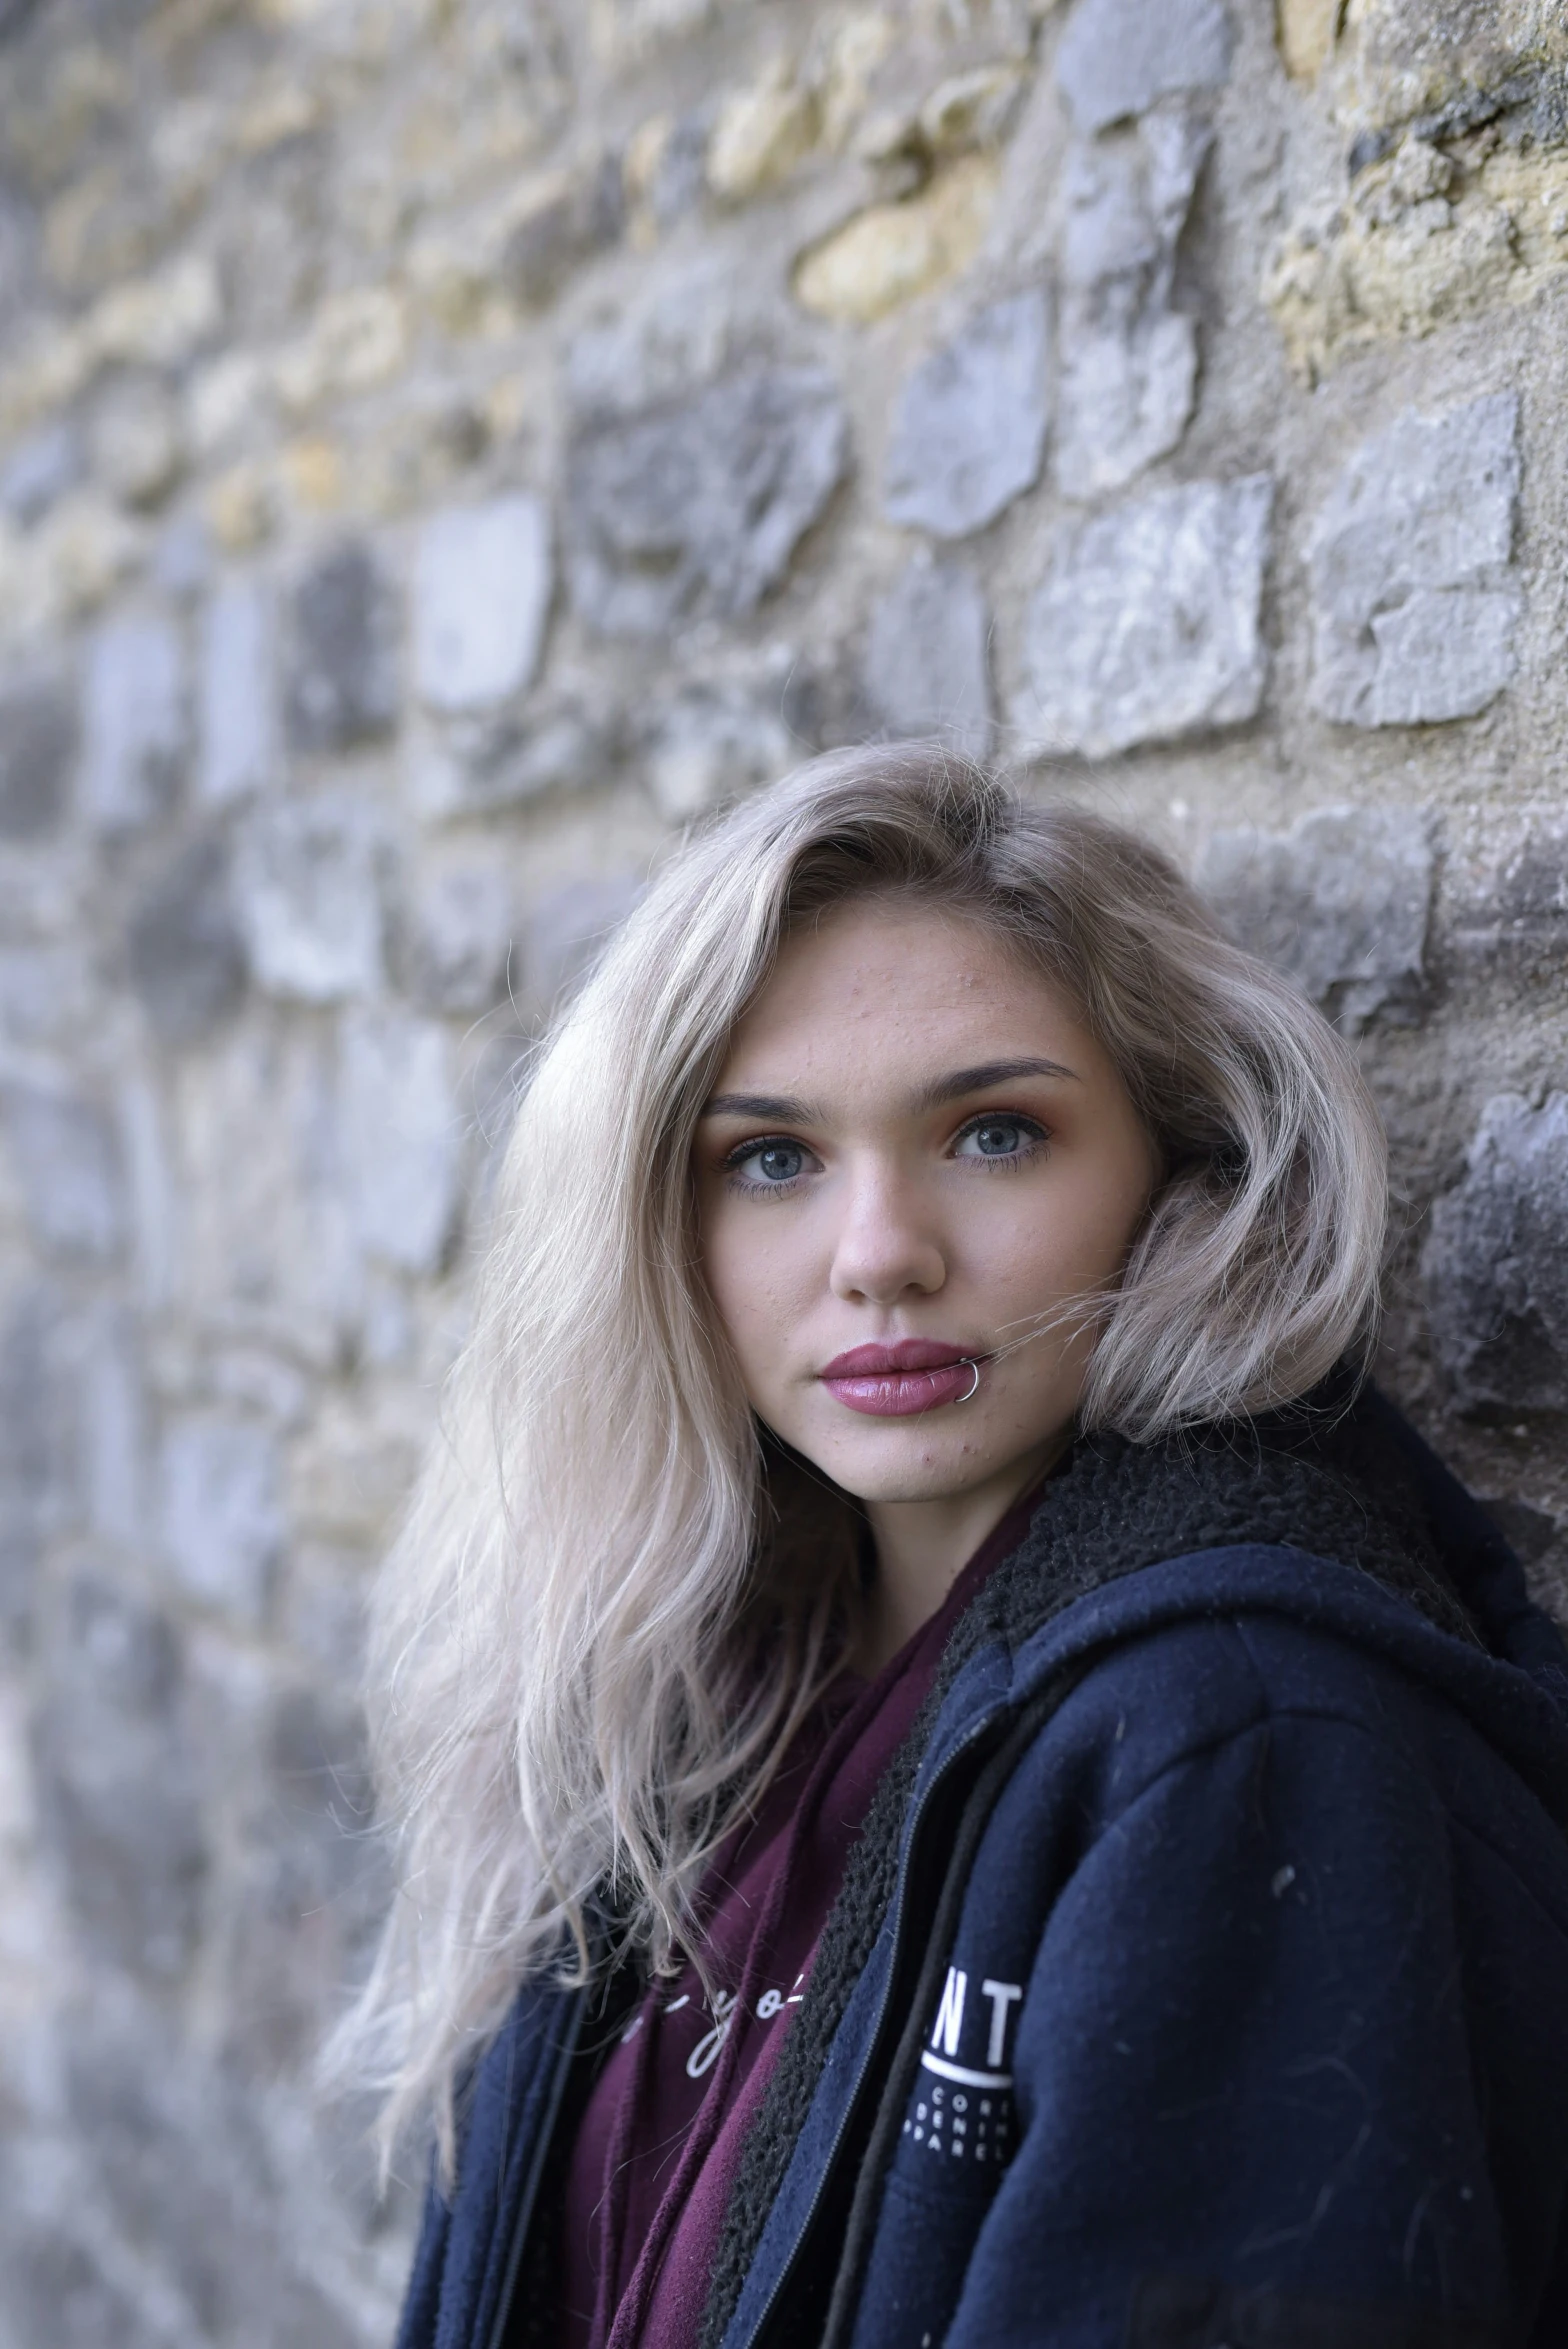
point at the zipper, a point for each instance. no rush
(938, 1783)
(496, 2336)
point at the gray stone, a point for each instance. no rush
(401, 1136)
(37, 746)
(1129, 362)
(1519, 924)
(135, 723)
(1496, 1264)
(1414, 602)
(476, 765)
(1341, 902)
(1145, 627)
(569, 929)
(928, 668)
(342, 656)
(457, 937)
(709, 743)
(67, 1159)
(237, 693)
(481, 598)
(40, 470)
(697, 510)
(969, 427)
(222, 1511)
(117, 1783)
(1117, 57)
(308, 892)
(183, 951)
(555, 237)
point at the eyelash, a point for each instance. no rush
(1035, 1137)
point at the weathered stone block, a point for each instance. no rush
(1341, 902)
(699, 510)
(1129, 361)
(1117, 57)
(1145, 626)
(342, 657)
(927, 668)
(223, 1523)
(237, 693)
(1519, 922)
(37, 746)
(474, 765)
(1414, 605)
(1496, 1264)
(118, 1789)
(482, 584)
(969, 427)
(183, 949)
(135, 723)
(67, 1159)
(709, 743)
(401, 1136)
(456, 937)
(308, 893)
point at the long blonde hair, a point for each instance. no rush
(589, 1645)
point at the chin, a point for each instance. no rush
(937, 1477)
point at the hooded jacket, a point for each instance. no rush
(1200, 1977)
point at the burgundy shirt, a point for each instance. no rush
(659, 2142)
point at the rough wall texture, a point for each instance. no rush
(443, 445)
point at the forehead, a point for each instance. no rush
(878, 977)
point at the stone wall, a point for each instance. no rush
(444, 444)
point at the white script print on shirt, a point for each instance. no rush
(706, 2053)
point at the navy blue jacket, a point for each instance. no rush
(1216, 1993)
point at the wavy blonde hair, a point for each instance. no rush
(593, 1638)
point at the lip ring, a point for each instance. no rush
(974, 1390)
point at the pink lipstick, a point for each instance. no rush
(897, 1381)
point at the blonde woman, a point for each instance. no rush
(958, 1777)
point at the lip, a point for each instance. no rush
(901, 1380)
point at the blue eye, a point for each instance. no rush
(998, 1137)
(769, 1164)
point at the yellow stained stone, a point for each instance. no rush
(1305, 30)
(760, 135)
(890, 253)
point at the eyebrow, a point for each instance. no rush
(786, 1109)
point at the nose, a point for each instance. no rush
(887, 1244)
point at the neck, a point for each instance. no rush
(923, 1546)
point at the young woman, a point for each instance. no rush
(960, 1778)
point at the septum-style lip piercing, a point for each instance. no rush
(975, 1389)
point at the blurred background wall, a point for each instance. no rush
(446, 444)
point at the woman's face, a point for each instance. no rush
(916, 1155)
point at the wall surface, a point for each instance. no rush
(444, 444)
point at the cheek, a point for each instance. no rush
(1072, 1234)
(751, 1275)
